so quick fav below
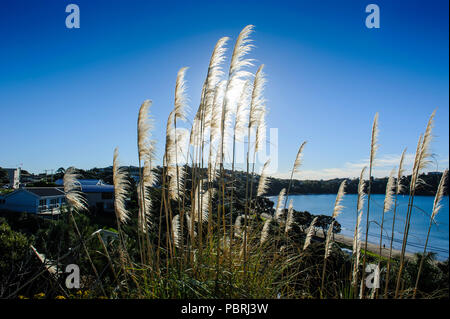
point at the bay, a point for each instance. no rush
(322, 204)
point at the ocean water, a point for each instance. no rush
(423, 205)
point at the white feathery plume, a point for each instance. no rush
(263, 183)
(203, 197)
(235, 75)
(337, 210)
(200, 109)
(422, 156)
(217, 58)
(148, 174)
(329, 242)
(72, 189)
(412, 184)
(176, 228)
(205, 203)
(148, 181)
(425, 148)
(388, 199)
(144, 216)
(170, 140)
(177, 175)
(213, 77)
(215, 130)
(238, 226)
(182, 146)
(399, 186)
(265, 231)
(310, 233)
(439, 194)
(218, 159)
(217, 111)
(260, 136)
(257, 101)
(144, 126)
(225, 126)
(357, 235)
(278, 209)
(146, 151)
(357, 249)
(359, 209)
(213, 174)
(290, 217)
(180, 95)
(190, 225)
(121, 185)
(241, 48)
(298, 158)
(361, 193)
(195, 131)
(374, 139)
(242, 112)
(337, 204)
(422, 160)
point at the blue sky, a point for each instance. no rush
(69, 96)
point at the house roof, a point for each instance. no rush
(46, 191)
(97, 188)
(92, 186)
(83, 182)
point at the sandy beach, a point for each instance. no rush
(370, 247)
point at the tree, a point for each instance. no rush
(303, 219)
(3, 176)
(324, 223)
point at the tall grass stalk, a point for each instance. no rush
(387, 205)
(77, 201)
(420, 162)
(357, 235)
(296, 166)
(436, 207)
(328, 243)
(398, 190)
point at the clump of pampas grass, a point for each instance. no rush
(72, 188)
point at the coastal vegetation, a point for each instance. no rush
(195, 227)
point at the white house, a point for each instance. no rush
(36, 200)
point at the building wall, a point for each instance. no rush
(95, 199)
(23, 201)
(20, 201)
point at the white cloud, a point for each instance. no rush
(382, 168)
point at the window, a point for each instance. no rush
(107, 195)
(53, 202)
(42, 204)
